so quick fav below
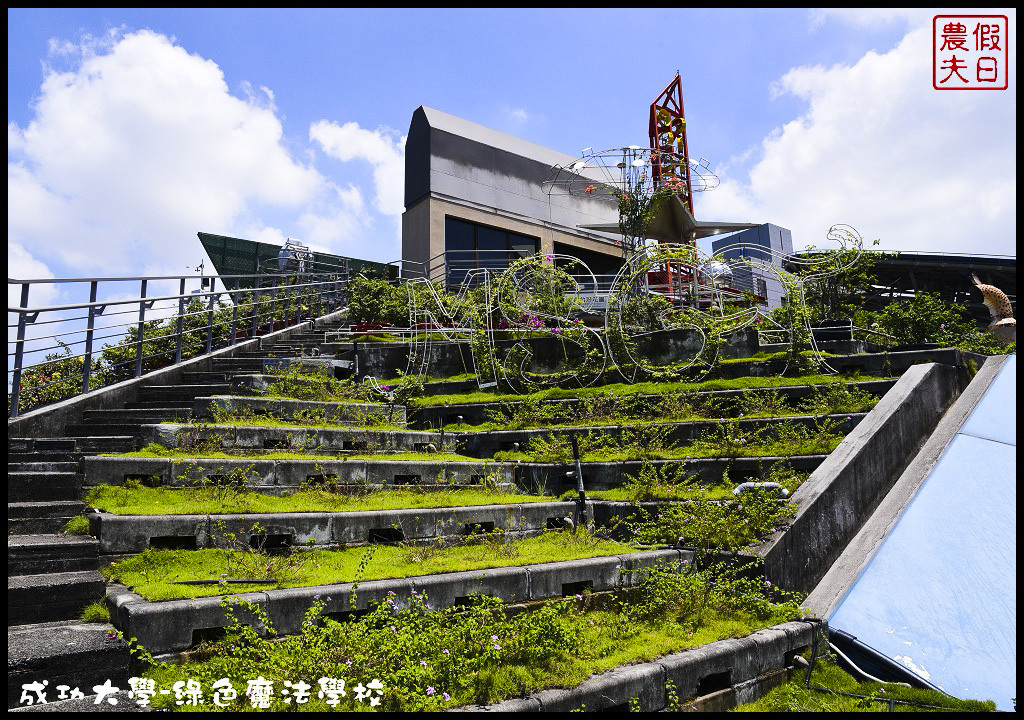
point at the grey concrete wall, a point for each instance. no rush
(748, 667)
(170, 625)
(846, 488)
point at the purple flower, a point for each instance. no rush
(431, 691)
(447, 697)
(423, 663)
(445, 651)
(494, 638)
(497, 646)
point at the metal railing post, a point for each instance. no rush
(287, 303)
(273, 308)
(141, 332)
(19, 352)
(234, 316)
(180, 324)
(87, 365)
(209, 316)
(255, 297)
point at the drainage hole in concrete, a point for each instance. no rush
(271, 543)
(478, 528)
(145, 480)
(345, 615)
(577, 588)
(714, 682)
(318, 480)
(353, 445)
(208, 635)
(386, 535)
(407, 479)
(476, 479)
(465, 601)
(555, 523)
(173, 542)
(275, 444)
(223, 480)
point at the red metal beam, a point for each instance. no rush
(670, 159)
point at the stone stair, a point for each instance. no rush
(53, 576)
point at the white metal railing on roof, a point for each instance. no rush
(139, 324)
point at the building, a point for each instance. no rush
(475, 197)
(478, 198)
(777, 243)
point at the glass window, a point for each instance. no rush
(469, 245)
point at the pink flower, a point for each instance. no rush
(591, 188)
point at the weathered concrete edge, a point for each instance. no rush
(829, 593)
(50, 420)
(845, 489)
(168, 626)
(747, 658)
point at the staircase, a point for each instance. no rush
(52, 576)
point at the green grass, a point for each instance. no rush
(626, 420)
(665, 492)
(795, 697)
(812, 446)
(626, 390)
(96, 612)
(458, 656)
(77, 526)
(272, 422)
(152, 573)
(122, 500)
(158, 451)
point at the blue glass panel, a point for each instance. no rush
(940, 594)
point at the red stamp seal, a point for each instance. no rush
(970, 52)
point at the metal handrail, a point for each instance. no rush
(254, 310)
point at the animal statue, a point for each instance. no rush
(1003, 323)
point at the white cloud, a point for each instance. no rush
(880, 149)
(383, 149)
(139, 146)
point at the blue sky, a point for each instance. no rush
(131, 130)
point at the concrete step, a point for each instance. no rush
(181, 392)
(105, 430)
(36, 554)
(203, 378)
(38, 457)
(38, 526)
(41, 518)
(51, 445)
(52, 596)
(79, 655)
(183, 404)
(43, 467)
(73, 447)
(43, 486)
(140, 416)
